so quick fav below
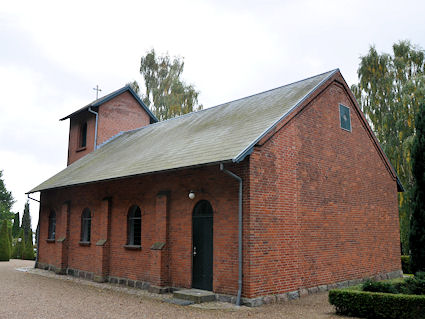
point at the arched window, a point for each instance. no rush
(83, 135)
(134, 226)
(52, 225)
(85, 225)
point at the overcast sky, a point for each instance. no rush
(54, 52)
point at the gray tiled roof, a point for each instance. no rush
(226, 132)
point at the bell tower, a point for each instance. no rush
(97, 122)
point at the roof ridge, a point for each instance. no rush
(98, 102)
(279, 87)
(215, 106)
(93, 103)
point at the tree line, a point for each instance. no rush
(391, 91)
(16, 240)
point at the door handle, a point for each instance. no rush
(194, 250)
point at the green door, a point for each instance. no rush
(202, 229)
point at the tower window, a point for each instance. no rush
(344, 115)
(83, 135)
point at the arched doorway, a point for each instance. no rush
(202, 232)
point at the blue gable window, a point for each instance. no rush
(344, 115)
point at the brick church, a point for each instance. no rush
(285, 191)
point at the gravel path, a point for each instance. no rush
(42, 294)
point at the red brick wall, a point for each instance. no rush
(348, 198)
(122, 113)
(47, 251)
(320, 206)
(272, 244)
(323, 204)
(208, 183)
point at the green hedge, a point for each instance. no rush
(408, 286)
(4, 242)
(376, 305)
(405, 264)
(380, 286)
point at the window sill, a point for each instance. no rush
(84, 243)
(50, 240)
(80, 149)
(133, 247)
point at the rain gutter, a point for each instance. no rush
(37, 231)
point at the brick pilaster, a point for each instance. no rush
(159, 249)
(103, 218)
(63, 238)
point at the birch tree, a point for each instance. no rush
(165, 92)
(390, 90)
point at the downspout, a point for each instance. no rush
(37, 232)
(38, 241)
(95, 127)
(238, 298)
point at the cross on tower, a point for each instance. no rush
(97, 91)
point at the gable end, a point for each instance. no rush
(272, 129)
(337, 78)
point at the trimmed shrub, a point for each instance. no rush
(9, 232)
(28, 253)
(380, 286)
(415, 285)
(409, 286)
(13, 255)
(377, 305)
(406, 265)
(4, 242)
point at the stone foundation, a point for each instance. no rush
(279, 298)
(250, 302)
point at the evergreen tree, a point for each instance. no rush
(417, 222)
(15, 227)
(20, 245)
(9, 232)
(26, 223)
(13, 254)
(6, 201)
(4, 242)
(390, 89)
(28, 252)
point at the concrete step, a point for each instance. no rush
(195, 295)
(179, 302)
